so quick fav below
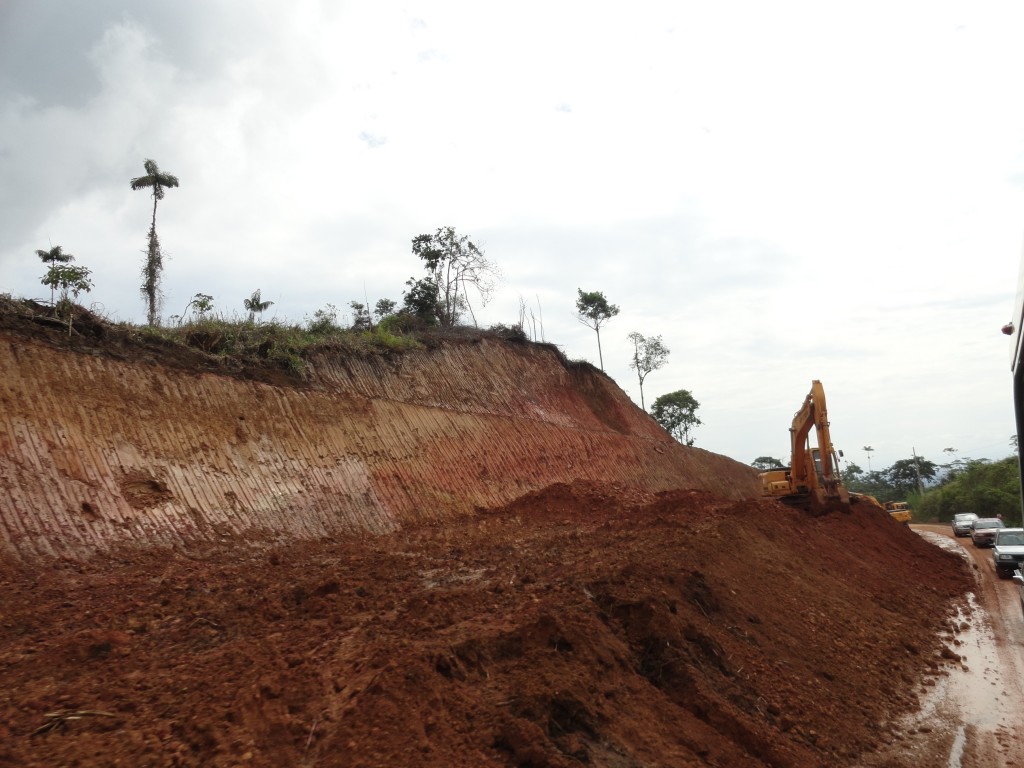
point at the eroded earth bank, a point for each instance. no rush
(471, 555)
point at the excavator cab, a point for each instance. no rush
(818, 471)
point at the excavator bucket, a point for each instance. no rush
(817, 503)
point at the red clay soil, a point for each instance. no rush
(566, 629)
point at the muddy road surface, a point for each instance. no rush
(974, 715)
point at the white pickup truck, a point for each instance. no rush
(1008, 551)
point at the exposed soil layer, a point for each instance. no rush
(475, 554)
(106, 439)
(566, 629)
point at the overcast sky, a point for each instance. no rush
(783, 191)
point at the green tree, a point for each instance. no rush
(985, 488)
(361, 320)
(52, 257)
(324, 320)
(420, 301)
(677, 413)
(593, 310)
(874, 483)
(384, 308)
(907, 475)
(955, 465)
(454, 263)
(255, 306)
(766, 463)
(158, 181)
(649, 354)
(201, 303)
(70, 281)
(852, 472)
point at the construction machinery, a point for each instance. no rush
(867, 500)
(899, 510)
(811, 481)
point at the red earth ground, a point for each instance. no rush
(477, 554)
(569, 628)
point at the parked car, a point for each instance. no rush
(983, 530)
(1008, 551)
(962, 523)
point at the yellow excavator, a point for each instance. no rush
(811, 481)
(899, 511)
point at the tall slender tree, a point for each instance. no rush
(593, 310)
(158, 181)
(868, 450)
(53, 257)
(649, 353)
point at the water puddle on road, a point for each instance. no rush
(975, 683)
(967, 701)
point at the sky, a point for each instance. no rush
(782, 191)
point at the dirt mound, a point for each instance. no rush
(570, 628)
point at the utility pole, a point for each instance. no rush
(917, 471)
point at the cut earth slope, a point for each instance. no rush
(103, 442)
(478, 556)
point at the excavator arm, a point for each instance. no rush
(801, 463)
(812, 479)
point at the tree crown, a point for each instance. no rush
(454, 262)
(593, 309)
(677, 413)
(255, 305)
(154, 178)
(649, 354)
(766, 463)
(54, 256)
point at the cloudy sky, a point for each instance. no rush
(783, 191)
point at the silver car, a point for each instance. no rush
(962, 523)
(983, 531)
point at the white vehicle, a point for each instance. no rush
(1008, 551)
(962, 523)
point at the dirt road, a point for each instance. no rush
(974, 717)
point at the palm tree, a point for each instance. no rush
(158, 180)
(53, 257)
(254, 305)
